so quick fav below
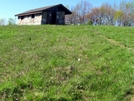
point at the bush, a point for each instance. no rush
(89, 22)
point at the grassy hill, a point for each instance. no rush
(66, 63)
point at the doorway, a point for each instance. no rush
(54, 18)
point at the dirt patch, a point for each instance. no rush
(115, 42)
(132, 99)
(64, 73)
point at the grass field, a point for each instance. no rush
(66, 63)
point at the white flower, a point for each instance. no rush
(79, 59)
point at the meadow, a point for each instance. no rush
(66, 63)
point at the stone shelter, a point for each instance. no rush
(46, 15)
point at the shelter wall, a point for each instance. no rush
(30, 20)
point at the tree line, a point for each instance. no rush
(121, 14)
(4, 22)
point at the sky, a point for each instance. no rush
(9, 8)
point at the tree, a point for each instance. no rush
(103, 15)
(127, 9)
(107, 14)
(11, 21)
(71, 19)
(82, 9)
(118, 17)
(79, 12)
(95, 15)
(2, 22)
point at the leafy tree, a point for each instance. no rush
(11, 21)
(2, 22)
(118, 17)
(107, 14)
(103, 15)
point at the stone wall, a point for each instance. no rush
(29, 20)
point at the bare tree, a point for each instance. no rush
(79, 12)
(71, 19)
(95, 15)
(106, 14)
(127, 9)
(82, 9)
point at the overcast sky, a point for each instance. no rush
(9, 8)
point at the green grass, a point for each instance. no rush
(66, 63)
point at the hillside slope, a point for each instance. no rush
(66, 63)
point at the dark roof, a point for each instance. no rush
(39, 10)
